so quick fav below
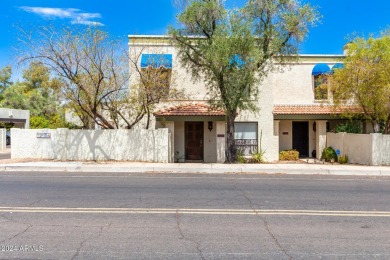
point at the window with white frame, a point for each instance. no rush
(245, 137)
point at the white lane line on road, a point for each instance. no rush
(336, 213)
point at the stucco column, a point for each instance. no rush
(276, 127)
(320, 137)
(60, 141)
(376, 149)
(3, 139)
(171, 129)
(220, 132)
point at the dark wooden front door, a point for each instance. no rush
(194, 140)
(301, 138)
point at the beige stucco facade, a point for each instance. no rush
(292, 85)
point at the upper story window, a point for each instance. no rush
(156, 73)
(320, 73)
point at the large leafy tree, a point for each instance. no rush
(37, 92)
(5, 78)
(233, 50)
(365, 81)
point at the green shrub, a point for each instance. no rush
(258, 156)
(353, 127)
(343, 159)
(240, 156)
(289, 155)
(38, 122)
(329, 153)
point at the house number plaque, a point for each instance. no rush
(43, 135)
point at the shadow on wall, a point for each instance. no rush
(121, 145)
(93, 145)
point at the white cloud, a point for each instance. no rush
(75, 15)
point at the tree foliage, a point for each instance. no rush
(233, 50)
(365, 81)
(37, 92)
(95, 76)
(5, 78)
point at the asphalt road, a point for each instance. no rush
(167, 216)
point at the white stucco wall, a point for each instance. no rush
(25, 144)
(358, 147)
(179, 141)
(181, 78)
(285, 134)
(3, 141)
(293, 85)
(385, 150)
(368, 149)
(210, 143)
(63, 144)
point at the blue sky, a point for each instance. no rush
(341, 18)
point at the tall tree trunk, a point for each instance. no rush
(376, 126)
(387, 128)
(230, 151)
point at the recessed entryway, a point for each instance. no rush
(301, 138)
(194, 141)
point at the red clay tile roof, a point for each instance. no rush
(196, 109)
(313, 110)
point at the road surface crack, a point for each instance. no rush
(197, 244)
(82, 243)
(36, 202)
(265, 222)
(18, 234)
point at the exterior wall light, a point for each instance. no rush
(210, 125)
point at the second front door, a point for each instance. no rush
(194, 140)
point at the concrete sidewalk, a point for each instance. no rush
(134, 167)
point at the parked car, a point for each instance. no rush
(8, 137)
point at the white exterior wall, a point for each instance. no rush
(181, 78)
(64, 144)
(358, 147)
(179, 141)
(265, 119)
(25, 144)
(320, 137)
(210, 143)
(3, 141)
(385, 151)
(285, 134)
(368, 149)
(294, 85)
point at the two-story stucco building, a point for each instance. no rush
(291, 113)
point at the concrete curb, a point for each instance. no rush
(295, 169)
